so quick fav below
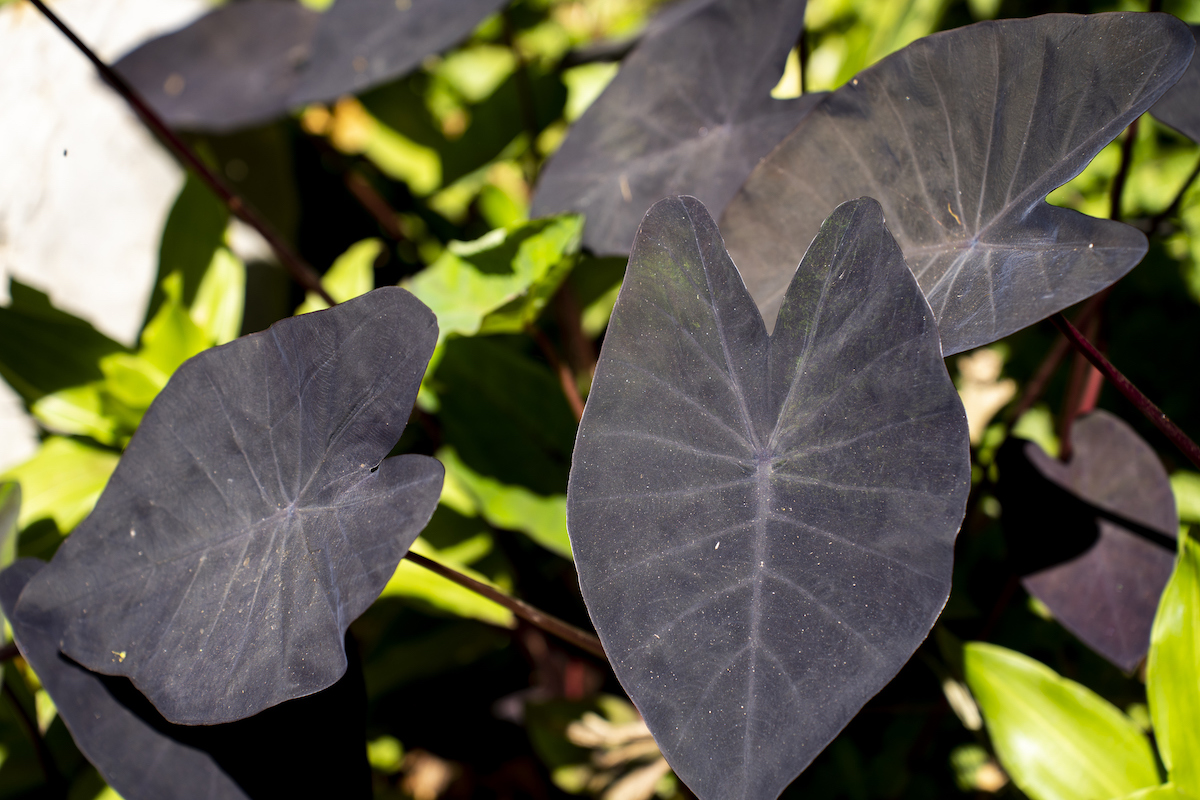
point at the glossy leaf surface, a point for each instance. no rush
(690, 112)
(233, 67)
(145, 757)
(253, 515)
(1093, 538)
(1057, 739)
(1180, 106)
(960, 136)
(763, 526)
(1172, 683)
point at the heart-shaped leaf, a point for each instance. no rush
(764, 526)
(690, 112)
(253, 515)
(1094, 539)
(361, 43)
(144, 757)
(960, 136)
(233, 67)
(1180, 106)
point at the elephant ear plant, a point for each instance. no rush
(772, 465)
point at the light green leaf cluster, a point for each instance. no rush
(501, 282)
(1060, 741)
(543, 519)
(351, 275)
(441, 594)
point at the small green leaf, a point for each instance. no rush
(221, 298)
(1168, 791)
(352, 274)
(62, 481)
(1057, 739)
(543, 519)
(79, 410)
(1186, 486)
(1172, 679)
(46, 349)
(10, 512)
(501, 282)
(195, 229)
(431, 590)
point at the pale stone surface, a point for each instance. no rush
(85, 189)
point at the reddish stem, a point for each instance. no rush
(1131, 392)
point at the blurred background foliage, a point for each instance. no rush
(426, 182)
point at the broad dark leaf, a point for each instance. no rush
(361, 43)
(252, 517)
(143, 756)
(1180, 106)
(764, 526)
(960, 136)
(1094, 539)
(233, 67)
(690, 112)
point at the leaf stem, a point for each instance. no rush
(552, 625)
(1131, 392)
(300, 271)
(565, 376)
(1118, 187)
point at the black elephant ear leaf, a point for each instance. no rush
(690, 112)
(233, 67)
(960, 136)
(764, 525)
(134, 758)
(253, 515)
(362, 43)
(1180, 106)
(1094, 538)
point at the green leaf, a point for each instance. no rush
(221, 298)
(61, 482)
(10, 512)
(195, 229)
(79, 410)
(352, 274)
(46, 349)
(1168, 791)
(501, 282)
(428, 589)
(1186, 486)
(543, 519)
(1057, 739)
(1172, 678)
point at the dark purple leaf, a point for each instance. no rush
(361, 43)
(960, 136)
(1094, 539)
(690, 112)
(253, 515)
(1180, 106)
(251, 61)
(143, 756)
(764, 526)
(233, 67)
